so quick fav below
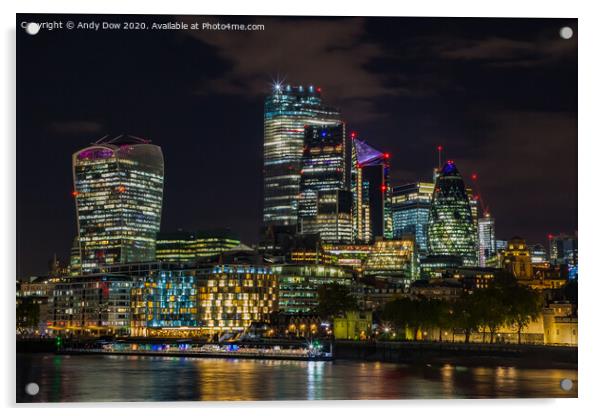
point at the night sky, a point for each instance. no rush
(499, 94)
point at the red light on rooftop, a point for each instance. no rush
(439, 148)
(550, 236)
(353, 134)
(383, 188)
(474, 176)
(319, 89)
(476, 197)
(387, 155)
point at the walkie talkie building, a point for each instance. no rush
(287, 111)
(118, 191)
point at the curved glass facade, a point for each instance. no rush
(118, 191)
(451, 230)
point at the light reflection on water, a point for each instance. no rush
(134, 378)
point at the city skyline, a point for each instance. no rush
(236, 203)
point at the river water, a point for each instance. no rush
(132, 378)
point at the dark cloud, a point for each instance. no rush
(527, 169)
(332, 52)
(507, 52)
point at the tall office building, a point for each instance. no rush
(410, 206)
(288, 110)
(473, 201)
(325, 202)
(118, 191)
(452, 230)
(487, 246)
(371, 192)
(563, 250)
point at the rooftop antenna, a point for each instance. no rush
(439, 152)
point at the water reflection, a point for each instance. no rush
(133, 378)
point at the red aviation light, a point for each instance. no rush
(474, 177)
(386, 155)
(476, 197)
(383, 188)
(353, 134)
(550, 236)
(319, 89)
(439, 148)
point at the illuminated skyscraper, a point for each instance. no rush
(371, 188)
(118, 191)
(287, 111)
(487, 247)
(452, 230)
(563, 250)
(325, 202)
(411, 205)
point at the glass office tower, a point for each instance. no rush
(325, 202)
(452, 230)
(118, 191)
(411, 205)
(371, 188)
(563, 250)
(287, 111)
(487, 247)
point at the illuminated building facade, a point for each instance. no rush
(538, 254)
(93, 304)
(486, 230)
(325, 203)
(371, 192)
(516, 259)
(171, 300)
(560, 324)
(452, 230)
(563, 250)
(184, 246)
(392, 258)
(286, 113)
(352, 255)
(118, 191)
(308, 256)
(164, 300)
(233, 296)
(410, 206)
(298, 285)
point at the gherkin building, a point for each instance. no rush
(451, 229)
